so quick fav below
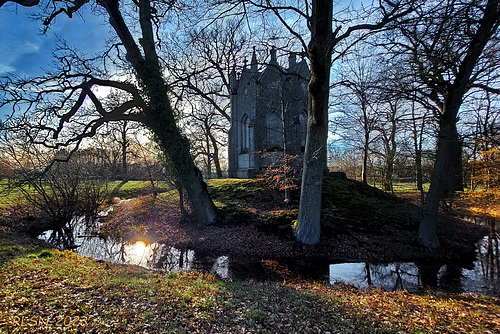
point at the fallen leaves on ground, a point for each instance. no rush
(55, 292)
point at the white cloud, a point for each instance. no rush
(29, 47)
(6, 68)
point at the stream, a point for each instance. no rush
(482, 276)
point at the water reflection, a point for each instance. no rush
(151, 256)
(489, 254)
(393, 276)
(482, 276)
(177, 259)
(221, 267)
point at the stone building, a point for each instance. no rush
(268, 115)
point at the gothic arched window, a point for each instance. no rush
(245, 133)
(303, 130)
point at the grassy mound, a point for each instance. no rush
(359, 222)
(347, 206)
(352, 206)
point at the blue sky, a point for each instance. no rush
(25, 51)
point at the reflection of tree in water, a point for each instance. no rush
(428, 273)
(452, 278)
(489, 252)
(176, 259)
(101, 248)
(392, 277)
(399, 280)
(368, 274)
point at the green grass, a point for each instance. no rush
(13, 246)
(230, 189)
(132, 189)
(407, 190)
(347, 205)
(361, 207)
(9, 196)
(14, 196)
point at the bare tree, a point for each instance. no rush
(325, 46)
(62, 108)
(200, 63)
(483, 133)
(122, 133)
(324, 41)
(357, 118)
(147, 153)
(388, 130)
(60, 195)
(206, 128)
(418, 122)
(448, 45)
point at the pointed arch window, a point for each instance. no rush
(245, 133)
(302, 130)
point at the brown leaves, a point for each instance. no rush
(67, 293)
(79, 294)
(402, 311)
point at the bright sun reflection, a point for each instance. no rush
(138, 248)
(137, 252)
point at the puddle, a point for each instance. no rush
(483, 276)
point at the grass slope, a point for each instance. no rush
(359, 222)
(61, 292)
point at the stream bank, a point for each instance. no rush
(242, 253)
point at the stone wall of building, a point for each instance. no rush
(268, 115)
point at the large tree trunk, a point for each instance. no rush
(417, 146)
(364, 168)
(176, 146)
(391, 148)
(419, 175)
(366, 144)
(388, 186)
(208, 154)
(448, 137)
(159, 113)
(440, 181)
(309, 220)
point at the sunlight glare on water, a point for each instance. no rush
(138, 253)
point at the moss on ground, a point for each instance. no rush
(13, 246)
(348, 206)
(131, 189)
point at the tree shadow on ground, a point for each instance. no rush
(13, 246)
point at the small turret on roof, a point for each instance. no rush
(254, 62)
(233, 81)
(292, 62)
(274, 59)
